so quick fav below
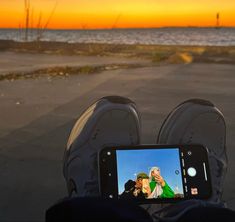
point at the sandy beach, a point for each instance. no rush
(44, 87)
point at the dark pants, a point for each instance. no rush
(96, 209)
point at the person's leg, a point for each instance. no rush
(196, 121)
(194, 210)
(206, 214)
(90, 209)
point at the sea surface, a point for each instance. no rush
(159, 36)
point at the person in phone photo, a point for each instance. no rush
(142, 189)
(137, 189)
(129, 189)
(159, 187)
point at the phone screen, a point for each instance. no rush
(149, 173)
(155, 173)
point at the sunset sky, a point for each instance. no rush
(72, 14)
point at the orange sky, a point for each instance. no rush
(119, 13)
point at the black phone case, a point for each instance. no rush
(191, 156)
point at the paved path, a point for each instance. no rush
(36, 117)
(25, 62)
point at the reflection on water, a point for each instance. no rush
(162, 36)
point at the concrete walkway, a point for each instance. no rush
(36, 117)
(26, 62)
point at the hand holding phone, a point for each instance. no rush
(159, 180)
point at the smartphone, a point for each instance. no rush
(155, 173)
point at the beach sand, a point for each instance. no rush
(43, 92)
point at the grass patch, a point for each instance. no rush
(65, 71)
(160, 56)
(155, 53)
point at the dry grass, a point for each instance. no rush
(64, 72)
(155, 53)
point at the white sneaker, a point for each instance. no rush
(112, 120)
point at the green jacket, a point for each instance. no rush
(167, 191)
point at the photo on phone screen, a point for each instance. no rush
(155, 173)
(149, 173)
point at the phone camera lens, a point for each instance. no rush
(177, 172)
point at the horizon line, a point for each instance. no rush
(103, 28)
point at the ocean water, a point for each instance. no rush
(161, 36)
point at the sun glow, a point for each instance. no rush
(72, 14)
